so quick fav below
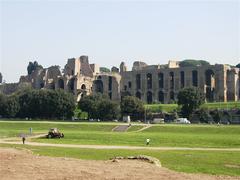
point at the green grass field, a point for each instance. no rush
(210, 162)
(161, 135)
(172, 107)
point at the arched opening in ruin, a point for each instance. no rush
(98, 86)
(195, 78)
(171, 76)
(209, 77)
(61, 84)
(83, 87)
(182, 79)
(210, 85)
(172, 96)
(41, 85)
(160, 80)
(71, 85)
(161, 96)
(149, 97)
(149, 81)
(138, 95)
(138, 81)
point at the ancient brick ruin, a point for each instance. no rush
(150, 83)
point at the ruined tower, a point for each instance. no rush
(123, 67)
(0, 78)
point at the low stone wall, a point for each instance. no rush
(148, 159)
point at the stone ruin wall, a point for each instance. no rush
(161, 85)
(151, 83)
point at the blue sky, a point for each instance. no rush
(113, 31)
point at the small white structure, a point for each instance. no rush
(126, 119)
(158, 121)
(183, 121)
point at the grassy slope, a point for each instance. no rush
(183, 161)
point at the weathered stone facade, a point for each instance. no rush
(162, 83)
(150, 83)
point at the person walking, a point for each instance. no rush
(147, 141)
(23, 139)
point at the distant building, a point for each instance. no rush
(150, 83)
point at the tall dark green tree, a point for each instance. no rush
(216, 115)
(46, 104)
(190, 99)
(133, 107)
(99, 106)
(238, 65)
(104, 69)
(9, 105)
(3, 100)
(33, 66)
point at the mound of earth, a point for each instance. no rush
(22, 164)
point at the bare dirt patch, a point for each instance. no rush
(22, 164)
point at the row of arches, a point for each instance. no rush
(209, 79)
(149, 96)
(70, 85)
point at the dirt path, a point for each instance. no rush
(22, 164)
(13, 141)
(145, 127)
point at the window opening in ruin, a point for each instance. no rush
(129, 85)
(161, 96)
(138, 81)
(182, 77)
(160, 80)
(195, 78)
(41, 85)
(149, 81)
(209, 81)
(98, 86)
(209, 77)
(172, 96)
(171, 74)
(83, 87)
(61, 83)
(149, 97)
(71, 85)
(138, 95)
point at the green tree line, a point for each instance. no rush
(37, 104)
